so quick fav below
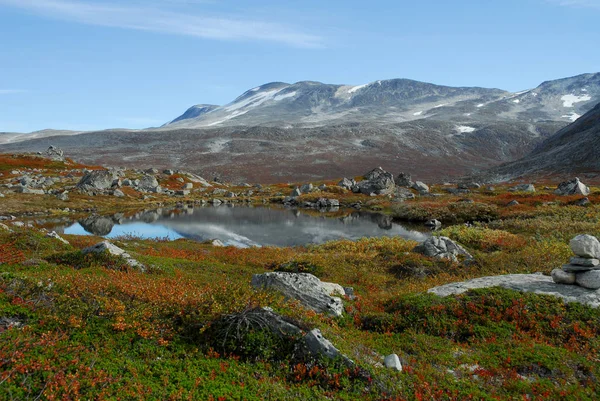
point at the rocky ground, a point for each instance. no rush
(82, 318)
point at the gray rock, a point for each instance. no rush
(586, 246)
(148, 183)
(404, 180)
(97, 225)
(588, 262)
(393, 362)
(54, 235)
(578, 268)
(377, 182)
(443, 248)
(97, 180)
(433, 223)
(582, 202)
(421, 187)
(118, 193)
(469, 185)
(535, 283)
(559, 276)
(347, 183)
(151, 171)
(106, 246)
(188, 185)
(513, 203)
(523, 188)
(318, 345)
(55, 153)
(573, 187)
(63, 196)
(182, 192)
(402, 194)
(296, 192)
(27, 190)
(168, 172)
(589, 279)
(303, 287)
(306, 188)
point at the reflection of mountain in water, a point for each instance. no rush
(247, 226)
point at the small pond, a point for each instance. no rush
(245, 226)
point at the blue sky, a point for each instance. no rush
(94, 64)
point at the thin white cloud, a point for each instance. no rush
(577, 3)
(155, 19)
(11, 91)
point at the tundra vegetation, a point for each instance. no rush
(88, 326)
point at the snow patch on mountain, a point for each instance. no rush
(465, 129)
(284, 96)
(573, 116)
(357, 88)
(570, 100)
(418, 113)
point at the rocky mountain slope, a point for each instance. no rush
(572, 150)
(310, 104)
(308, 130)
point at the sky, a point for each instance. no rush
(97, 64)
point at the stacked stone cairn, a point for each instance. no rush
(584, 268)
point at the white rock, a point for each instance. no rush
(333, 288)
(106, 246)
(586, 246)
(589, 279)
(217, 243)
(563, 277)
(393, 362)
(53, 234)
(304, 287)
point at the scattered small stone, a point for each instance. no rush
(54, 235)
(513, 203)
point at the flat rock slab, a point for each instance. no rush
(535, 283)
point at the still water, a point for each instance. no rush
(245, 226)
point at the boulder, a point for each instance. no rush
(317, 345)
(347, 183)
(589, 279)
(55, 153)
(586, 246)
(582, 202)
(523, 188)
(393, 362)
(443, 248)
(168, 172)
(421, 187)
(27, 190)
(404, 180)
(106, 246)
(97, 180)
(469, 185)
(304, 287)
(513, 203)
(377, 182)
(97, 225)
(573, 187)
(296, 192)
(306, 188)
(559, 276)
(535, 283)
(63, 196)
(118, 193)
(188, 186)
(401, 194)
(148, 183)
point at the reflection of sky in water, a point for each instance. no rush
(137, 229)
(244, 227)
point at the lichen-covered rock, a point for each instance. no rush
(589, 279)
(586, 246)
(573, 187)
(377, 182)
(304, 287)
(114, 250)
(97, 180)
(443, 248)
(536, 283)
(421, 187)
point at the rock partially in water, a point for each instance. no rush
(97, 225)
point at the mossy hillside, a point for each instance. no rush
(94, 329)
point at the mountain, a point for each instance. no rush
(311, 104)
(573, 150)
(309, 131)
